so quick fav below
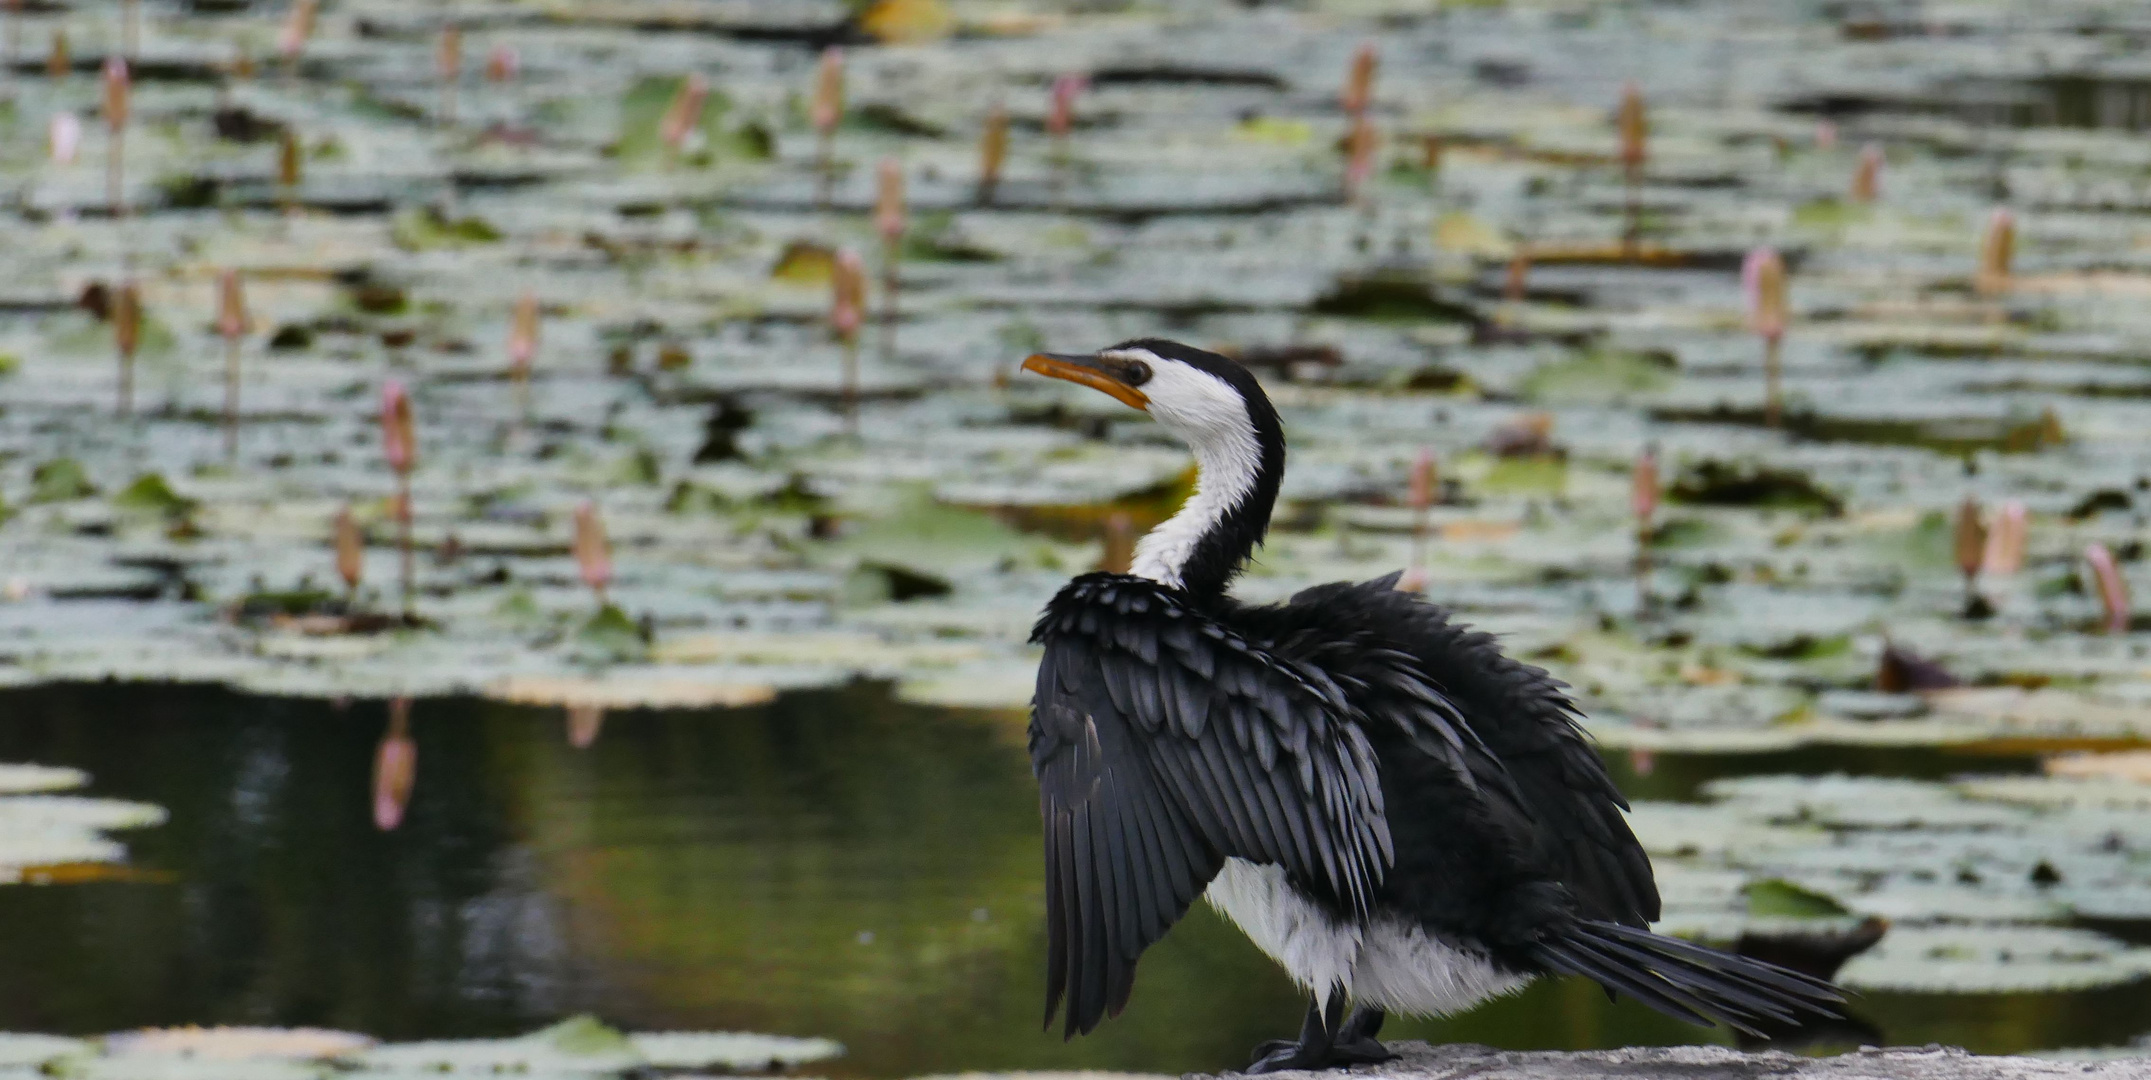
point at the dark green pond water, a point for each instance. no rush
(835, 863)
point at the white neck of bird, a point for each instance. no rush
(1228, 460)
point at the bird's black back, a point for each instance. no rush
(1469, 856)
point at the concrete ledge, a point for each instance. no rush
(1418, 1061)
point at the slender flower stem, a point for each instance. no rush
(1773, 377)
(403, 544)
(851, 387)
(115, 173)
(231, 400)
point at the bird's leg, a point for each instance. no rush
(1356, 1043)
(1318, 1033)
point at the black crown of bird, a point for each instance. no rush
(1402, 816)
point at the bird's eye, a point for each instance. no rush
(1136, 373)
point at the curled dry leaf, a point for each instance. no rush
(1528, 435)
(1902, 671)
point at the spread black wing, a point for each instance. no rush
(1566, 812)
(1164, 742)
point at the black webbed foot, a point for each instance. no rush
(1327, 1041)
(1356, 1043)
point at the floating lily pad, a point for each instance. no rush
(730, 1050)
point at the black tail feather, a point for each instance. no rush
(1687, 981)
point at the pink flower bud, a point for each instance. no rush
(2113, 588)
(1997, 247)
(685, 112)
(127, 317)
(66, 137)
(993, 148)
(1971, 537)
(449, 56)
(2007, 541)
(1423, 476)
(523, 335)
(584, 724)
(1061, 117)
(398, 439)
(1361, 148)
(1359, 84)
(395, 768)
(231, 305)
(1119, 543)
(829, 90)
(119, 88)
(1867, 177)
(847, 306)
(593, 554)
(503, 64)
(1634, 127)
(1643, 488)
(1762, 279)
(299, 26)
(889, 200)
(350, 549)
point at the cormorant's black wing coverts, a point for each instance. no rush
(1571, 827)
(1164, 742)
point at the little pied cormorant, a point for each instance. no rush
(1402, 816)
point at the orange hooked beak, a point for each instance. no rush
(1096, 372)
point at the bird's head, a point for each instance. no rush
(1217, 408)
(1203, 397)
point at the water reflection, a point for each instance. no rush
(832, 863)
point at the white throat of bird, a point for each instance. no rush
(1211, 418)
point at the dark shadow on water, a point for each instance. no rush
(835, 863)
(1681, 777)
